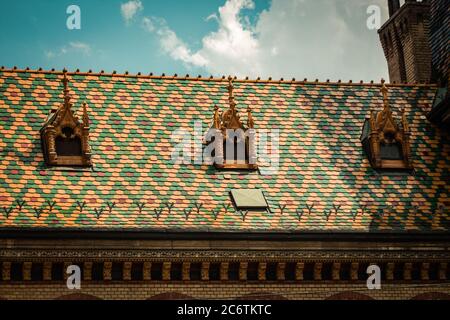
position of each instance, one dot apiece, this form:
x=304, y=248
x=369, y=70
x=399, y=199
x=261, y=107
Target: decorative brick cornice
x=223, y=255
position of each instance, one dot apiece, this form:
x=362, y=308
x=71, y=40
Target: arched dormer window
x=65, y=140
x=234, y=143
x=385, y=141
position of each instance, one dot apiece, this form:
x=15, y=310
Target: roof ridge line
x=214, y=79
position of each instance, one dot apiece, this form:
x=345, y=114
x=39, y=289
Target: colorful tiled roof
x=324, y=182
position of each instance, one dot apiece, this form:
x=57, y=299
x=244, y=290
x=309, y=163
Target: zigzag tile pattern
x=324, y=181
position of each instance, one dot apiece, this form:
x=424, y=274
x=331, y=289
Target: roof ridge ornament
x=217, y=118
x=230, y=117
x=65, y=82
x=250, y=121
x=385, y=141
x=65, y=139
x=384, y=120
x=85, y=116
x=230, y=120
x=231, y=101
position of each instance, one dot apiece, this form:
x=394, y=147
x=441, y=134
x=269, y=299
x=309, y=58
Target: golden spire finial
x=384, y=92
x=404, y=120
x=65, y=82
x=250, y=121
x=85, y=115
x=216, y=120
x=231, y=101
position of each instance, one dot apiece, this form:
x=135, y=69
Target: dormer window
x=65, y=139
x=234, y=143
x=385, y=141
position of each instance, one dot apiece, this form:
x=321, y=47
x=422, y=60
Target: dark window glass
x=233, y=271
x=308, y=271
x=137, y=271
x=392, y=151
x=415, y=271
x=68, y=146
x=97, y=271
x=196, y=271
x=252, y=271
x=344, y=273
x=433, y=272
x=214, y=271
x=156, y=271
x=398, y=271
x=271, y=271
x=176, y=271
x=81, y=265
x=289, y=271
x=16, y=271
x=383, y=269
x=58, y=271
x=327, y=271
x=362, y=271
x=117, y=271
x=37, y=272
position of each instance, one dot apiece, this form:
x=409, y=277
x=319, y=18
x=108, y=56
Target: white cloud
x=170, y=43
x=72, y=47
x=129, y=9
x=293, y=38
x=81, y=47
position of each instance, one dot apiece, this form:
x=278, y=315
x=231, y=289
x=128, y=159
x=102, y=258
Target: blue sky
x=279, y=38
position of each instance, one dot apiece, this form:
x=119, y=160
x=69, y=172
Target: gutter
x=208, y=234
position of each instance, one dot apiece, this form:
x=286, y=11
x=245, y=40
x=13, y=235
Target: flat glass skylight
x=248, y=199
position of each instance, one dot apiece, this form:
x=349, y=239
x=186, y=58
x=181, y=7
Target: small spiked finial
x=230, y=93
x=404, y=121
x=384, y=92
x=85, y=115
x=216, y=121
x=65, y=82
x=250, y=121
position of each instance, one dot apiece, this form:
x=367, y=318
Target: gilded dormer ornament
x=65, y=139
x=385, y=140
x=231, y=118
x=234, y=136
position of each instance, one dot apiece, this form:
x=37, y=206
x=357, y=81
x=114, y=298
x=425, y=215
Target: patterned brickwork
x=324, y=181
x=226, y=291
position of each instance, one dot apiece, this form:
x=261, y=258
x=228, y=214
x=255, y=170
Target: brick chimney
x=405, y=41
x=439, y=41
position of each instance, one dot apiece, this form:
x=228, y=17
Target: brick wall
x=405, y=41
x=217, y=290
